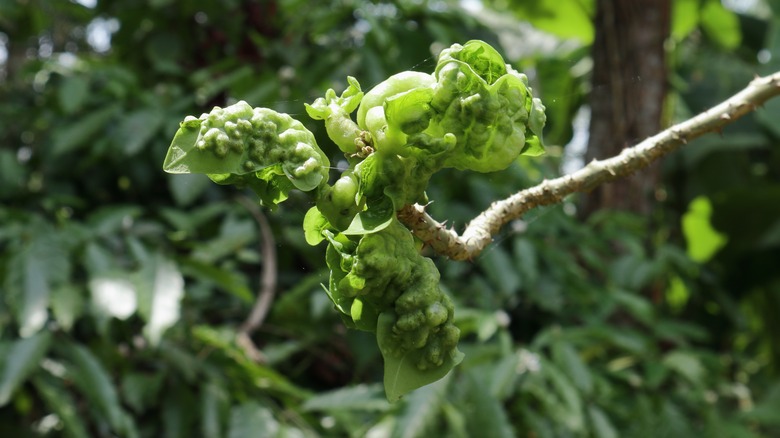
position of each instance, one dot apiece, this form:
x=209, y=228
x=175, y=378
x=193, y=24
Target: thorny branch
x=478, y=234
x=267, y=284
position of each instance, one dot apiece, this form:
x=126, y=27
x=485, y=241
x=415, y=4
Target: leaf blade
x=22, y=359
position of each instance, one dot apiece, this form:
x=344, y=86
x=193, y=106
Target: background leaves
x=599, y=327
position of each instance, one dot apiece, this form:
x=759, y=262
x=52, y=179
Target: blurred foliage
x=123, y=288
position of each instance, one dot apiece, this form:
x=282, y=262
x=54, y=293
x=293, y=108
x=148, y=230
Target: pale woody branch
x=479, y=232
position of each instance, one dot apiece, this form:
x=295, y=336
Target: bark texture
x=629, y=87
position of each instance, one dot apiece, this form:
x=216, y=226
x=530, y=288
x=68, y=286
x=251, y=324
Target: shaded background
x=644, y=309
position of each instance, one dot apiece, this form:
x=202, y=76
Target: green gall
x=475, y=112
x=335, y=111
x=344, y=191
x=436, y=314
x=259, y=148
x=391, y=86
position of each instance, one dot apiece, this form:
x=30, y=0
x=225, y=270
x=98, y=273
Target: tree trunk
x=629, y=86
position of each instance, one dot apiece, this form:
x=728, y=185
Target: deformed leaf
x=259, y=148
x=401, y=373
x=376, y=217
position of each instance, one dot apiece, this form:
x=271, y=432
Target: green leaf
x=685, y=17
x=401, y=374
x=569, y=409
x=92, y=379
x=228, y=279
x=485, y=412
x=187, y=188
x=313, y=224
x=161, y=288
x=33, y=313
x=141, y=391
x=456, y=421
x=353, y=398
x=13, y=174
x=687, y=365
x=67, y=305
x=60, y=401
x=421, y=411
x=76, y=135
x=702, y=239
x=178, y=412
x=72, y=93
x=721, y=25
x=569, y=360
x=526, y=260
x=224, y=340
x=112, y=219
x=638, y=306
x=22, y=358
x=503, y=376
x=252, y=419
x=600, y=424
x=572, y=21
x=378, y=216
x=214, y=404
x=137, y=128
x=500, y=271
x=32, y=269
x=234, y=234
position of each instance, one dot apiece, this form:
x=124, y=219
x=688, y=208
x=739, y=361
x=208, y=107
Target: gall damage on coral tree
x=474, y=112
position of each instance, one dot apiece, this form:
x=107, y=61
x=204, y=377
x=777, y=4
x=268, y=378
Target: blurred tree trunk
x=629, y=86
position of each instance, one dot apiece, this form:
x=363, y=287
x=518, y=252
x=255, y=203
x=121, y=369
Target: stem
x=267, y=284
x=478, y=234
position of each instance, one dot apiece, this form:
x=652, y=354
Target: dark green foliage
x=570, y=328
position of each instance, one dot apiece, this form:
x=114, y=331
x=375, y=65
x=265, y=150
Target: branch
x=267, y=284
x=479, y=232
